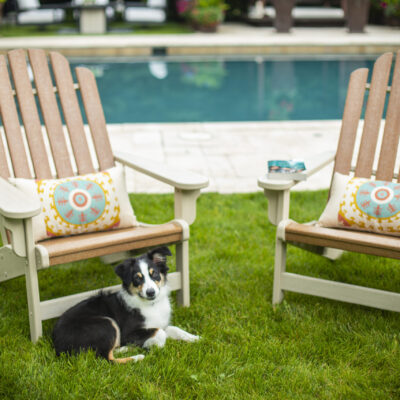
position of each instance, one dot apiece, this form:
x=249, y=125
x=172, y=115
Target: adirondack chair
x=330, y=241
x=20, y=255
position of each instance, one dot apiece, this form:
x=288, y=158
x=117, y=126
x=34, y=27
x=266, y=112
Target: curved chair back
x=55, y=103
x=367, y=155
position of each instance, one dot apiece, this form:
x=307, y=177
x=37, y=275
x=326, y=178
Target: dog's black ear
x=159, y=255
x=123, y=270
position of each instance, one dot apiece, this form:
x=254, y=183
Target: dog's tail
x=111, y=358
x=138, y=357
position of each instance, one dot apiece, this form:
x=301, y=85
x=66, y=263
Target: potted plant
x=205, y=15
x=390, y=10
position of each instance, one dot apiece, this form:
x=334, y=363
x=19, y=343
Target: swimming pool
x=199, y=90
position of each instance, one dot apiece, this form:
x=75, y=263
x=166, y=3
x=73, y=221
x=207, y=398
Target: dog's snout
x=150, y=292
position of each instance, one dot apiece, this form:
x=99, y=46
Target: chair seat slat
x=29, y=113
x=95, y=117
x=78, y=247
x=351, y=118
x=363, y=242
x=50, y=111
x=373, y=115
x=72, y=112
x=11, y=125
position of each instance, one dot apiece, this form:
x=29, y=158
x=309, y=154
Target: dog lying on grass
x=138, y=314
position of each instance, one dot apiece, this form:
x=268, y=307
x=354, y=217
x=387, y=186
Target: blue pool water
x=254, y=89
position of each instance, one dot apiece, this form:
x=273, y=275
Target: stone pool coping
x=232, y=39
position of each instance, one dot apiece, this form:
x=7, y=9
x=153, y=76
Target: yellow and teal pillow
x=363, y=204
x=80, y=204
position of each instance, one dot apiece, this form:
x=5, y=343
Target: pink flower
x=182, y=6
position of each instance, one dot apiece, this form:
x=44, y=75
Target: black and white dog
x=137, y=314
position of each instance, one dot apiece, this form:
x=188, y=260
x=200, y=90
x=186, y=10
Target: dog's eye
x=154, y=274
x=137, y=278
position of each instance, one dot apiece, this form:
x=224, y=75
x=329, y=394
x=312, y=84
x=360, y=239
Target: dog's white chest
x=157, y=315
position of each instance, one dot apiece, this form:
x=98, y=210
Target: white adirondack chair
x=20, y=255
x=329, y=241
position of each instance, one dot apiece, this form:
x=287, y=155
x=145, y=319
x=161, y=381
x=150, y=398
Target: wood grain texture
x=72, y=112
x=373, y=115
x=50, y=112
x=95, y=116
x=391, y=134
x=73, y=248
x=4, y=170
x=350, y=121
x=12, y=127
x=361, y=242
x=29, y=113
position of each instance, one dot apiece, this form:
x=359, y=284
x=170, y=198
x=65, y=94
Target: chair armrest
x=15, y=204
x=278, y=191
x=183, y=180
x=313, y=165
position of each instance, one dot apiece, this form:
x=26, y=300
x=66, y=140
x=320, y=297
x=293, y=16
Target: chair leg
x=279, y=268
x=32, y=286
x=182, y=266
x=32, y=291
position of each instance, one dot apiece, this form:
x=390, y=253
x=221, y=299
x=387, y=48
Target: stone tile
x=232, y=156
x=151, y=138
x=219, y=166
x=236, y=185
x=248, y=165
x=191, y=151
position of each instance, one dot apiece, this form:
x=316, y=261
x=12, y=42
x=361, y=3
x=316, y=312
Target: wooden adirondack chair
x=20, y=255
x=328, y=241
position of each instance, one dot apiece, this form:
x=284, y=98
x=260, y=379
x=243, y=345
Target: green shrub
x=389, y=7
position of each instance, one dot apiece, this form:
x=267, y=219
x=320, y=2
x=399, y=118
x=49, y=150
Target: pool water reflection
x=255, y=89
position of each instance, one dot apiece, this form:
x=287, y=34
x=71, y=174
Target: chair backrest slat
x=351, y=117
x=95, y=117
x=391, y=134
x=50, y=112
x=29, y=113
x=373, y=115
x=11, y=125
x=72, y=112
x=4, y=171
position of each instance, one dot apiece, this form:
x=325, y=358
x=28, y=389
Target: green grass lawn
x=306, y=348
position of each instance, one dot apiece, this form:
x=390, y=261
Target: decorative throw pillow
x=363, y=204
x=80, y=204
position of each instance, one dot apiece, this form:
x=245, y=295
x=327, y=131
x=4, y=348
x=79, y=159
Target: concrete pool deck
x=232, y=155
